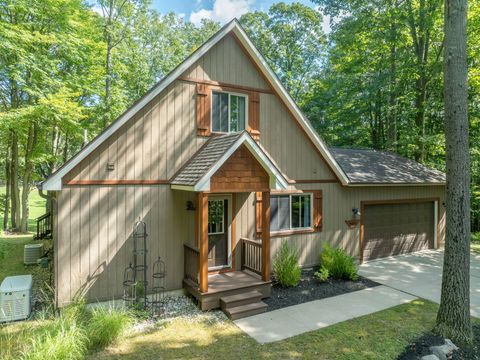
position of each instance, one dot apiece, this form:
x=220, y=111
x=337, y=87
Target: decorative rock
x=443, y=351
x=429, y=357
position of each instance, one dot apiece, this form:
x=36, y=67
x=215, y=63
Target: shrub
x=106, y=326
x=285, y=266
x=338, y=264
x=323, y=274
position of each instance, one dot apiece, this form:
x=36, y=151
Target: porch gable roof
x=196, y=174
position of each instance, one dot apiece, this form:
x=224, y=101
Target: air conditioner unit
x=31, y=253
x=15, y=298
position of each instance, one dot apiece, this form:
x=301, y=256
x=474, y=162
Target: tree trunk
x=6, y=208
x=27, y=175
x=14, y=192
x=453, y=318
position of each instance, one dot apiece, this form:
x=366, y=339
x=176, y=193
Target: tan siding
x=338, y=202
x=287, y=144
x=153, y=145
x=227, y=63
x=97, y=268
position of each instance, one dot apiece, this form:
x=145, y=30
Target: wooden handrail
x=191, y=258
x=251, y=255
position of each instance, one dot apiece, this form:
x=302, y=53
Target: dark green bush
x=285, y=266
x=338, y=264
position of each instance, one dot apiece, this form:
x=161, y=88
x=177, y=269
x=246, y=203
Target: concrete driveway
x=420, y=274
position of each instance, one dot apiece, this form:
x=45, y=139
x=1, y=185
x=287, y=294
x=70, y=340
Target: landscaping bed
x=310, y=288
x=421, y=347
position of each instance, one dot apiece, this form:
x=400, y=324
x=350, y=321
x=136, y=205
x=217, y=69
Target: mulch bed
x=421, y=347
x=310, y=289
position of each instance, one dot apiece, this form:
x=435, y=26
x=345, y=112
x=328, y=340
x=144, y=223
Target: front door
x=219, y=219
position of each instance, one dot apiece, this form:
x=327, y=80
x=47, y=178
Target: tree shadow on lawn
x=383, y=335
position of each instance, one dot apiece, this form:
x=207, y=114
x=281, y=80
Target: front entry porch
x=228, y=165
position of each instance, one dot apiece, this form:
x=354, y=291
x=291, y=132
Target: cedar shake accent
x=240, y=173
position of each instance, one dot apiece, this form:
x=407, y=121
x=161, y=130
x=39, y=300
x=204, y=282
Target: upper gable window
x=228, y=112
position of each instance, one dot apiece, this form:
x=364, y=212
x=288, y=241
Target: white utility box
x=15, y=298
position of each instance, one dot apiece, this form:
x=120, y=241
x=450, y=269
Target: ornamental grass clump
x=285, y=266
x=337, y=264
x=106, y=326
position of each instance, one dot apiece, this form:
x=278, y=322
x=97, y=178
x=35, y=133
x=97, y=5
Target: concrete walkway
x=293, y=320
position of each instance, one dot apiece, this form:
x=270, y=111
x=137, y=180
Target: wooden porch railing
x=191, y=258
x=251, y=255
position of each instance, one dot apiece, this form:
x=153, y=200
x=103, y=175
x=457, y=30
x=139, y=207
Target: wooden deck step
x=242, y=311
x=248, y=297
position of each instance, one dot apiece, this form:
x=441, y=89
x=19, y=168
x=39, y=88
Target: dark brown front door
x=393, y=229
x=218, y=239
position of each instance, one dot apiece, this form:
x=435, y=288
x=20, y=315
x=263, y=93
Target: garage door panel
x=393, y=229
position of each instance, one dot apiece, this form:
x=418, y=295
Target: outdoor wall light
x=355, y=211
x=190, y=205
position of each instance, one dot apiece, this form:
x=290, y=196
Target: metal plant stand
x=140, y=260
x=129, y=286
x=135, y=284
x=158, y=287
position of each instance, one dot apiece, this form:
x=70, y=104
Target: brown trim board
x=393, y=201
x=222, y=85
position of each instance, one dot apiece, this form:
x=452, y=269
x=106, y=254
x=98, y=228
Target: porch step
x=227, y=302
x=242, y=311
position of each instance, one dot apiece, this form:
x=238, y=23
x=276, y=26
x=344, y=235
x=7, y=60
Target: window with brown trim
x=292, y=213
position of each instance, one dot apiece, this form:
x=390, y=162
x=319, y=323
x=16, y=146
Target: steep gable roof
x=54, y=181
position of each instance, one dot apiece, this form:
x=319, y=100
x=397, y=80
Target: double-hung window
x=228, y=112
x=290, y=212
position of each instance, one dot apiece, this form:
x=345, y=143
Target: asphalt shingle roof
x=378, y=167
x=205, y=158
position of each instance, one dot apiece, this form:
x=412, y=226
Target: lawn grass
x=37, y=208
x=382, y=335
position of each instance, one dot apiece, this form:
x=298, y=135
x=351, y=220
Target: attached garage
x=394, y=228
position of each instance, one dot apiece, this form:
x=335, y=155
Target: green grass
x=382, y=335
x=37, y=208
x=11, y=256
x=70, y=335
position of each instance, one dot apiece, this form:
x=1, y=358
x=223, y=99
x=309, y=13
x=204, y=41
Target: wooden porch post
x=203, y=241
x=266, y=236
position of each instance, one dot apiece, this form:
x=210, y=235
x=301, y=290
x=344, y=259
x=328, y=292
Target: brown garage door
x=393, y=229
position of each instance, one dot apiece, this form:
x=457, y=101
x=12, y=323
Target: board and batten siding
x=153, y=145
x=94, y=242
x=338, y=202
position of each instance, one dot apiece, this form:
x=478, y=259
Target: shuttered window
x=228, y=112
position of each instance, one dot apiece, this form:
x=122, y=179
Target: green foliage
x=63, y=340
x=291, y=38
x=285, y=266
x=106, y=325
x=338, y=264
x=323, y=274
x=73, y=333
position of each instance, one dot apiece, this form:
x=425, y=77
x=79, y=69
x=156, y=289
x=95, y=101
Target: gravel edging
x=310, y=289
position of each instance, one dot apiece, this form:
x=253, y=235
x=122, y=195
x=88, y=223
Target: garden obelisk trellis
x=135, y=283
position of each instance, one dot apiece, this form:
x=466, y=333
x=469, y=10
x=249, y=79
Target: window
x=290, y=212
x=228, y=112
x=215, y=217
